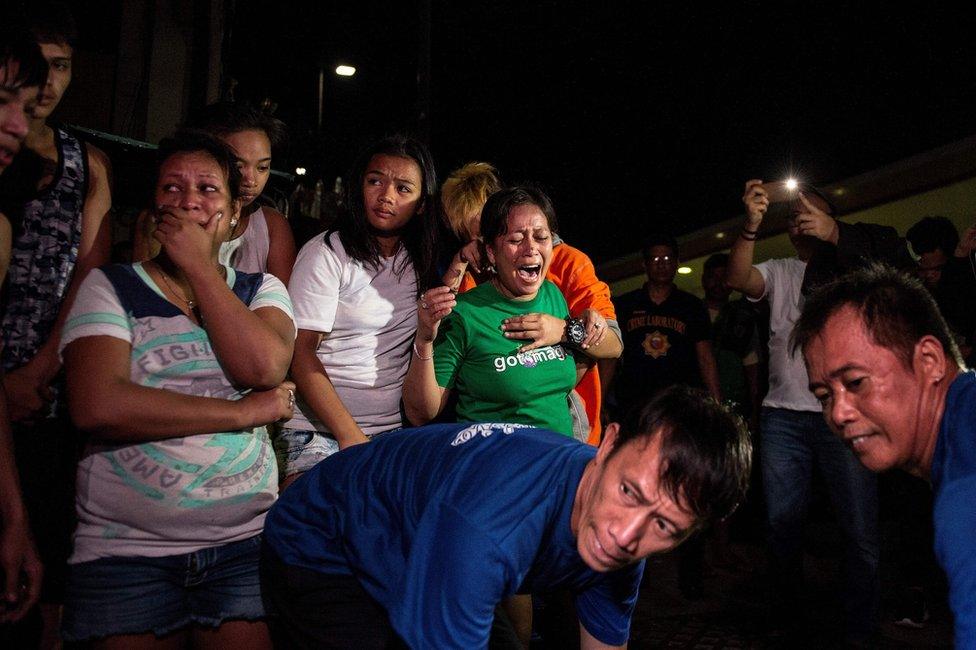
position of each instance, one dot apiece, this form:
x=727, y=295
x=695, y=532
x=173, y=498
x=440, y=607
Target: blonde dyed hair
x=464, y=191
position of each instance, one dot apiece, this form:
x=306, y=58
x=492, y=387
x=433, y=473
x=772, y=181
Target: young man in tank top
x=65, y=232
x=22, y=73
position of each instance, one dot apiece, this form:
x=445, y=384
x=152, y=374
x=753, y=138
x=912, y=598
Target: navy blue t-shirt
x=954, y=512
x=660, y=343
x=440, y=523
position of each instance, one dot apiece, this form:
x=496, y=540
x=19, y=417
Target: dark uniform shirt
x=659, y=343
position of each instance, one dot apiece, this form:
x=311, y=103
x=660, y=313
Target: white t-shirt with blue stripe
x=181, y=494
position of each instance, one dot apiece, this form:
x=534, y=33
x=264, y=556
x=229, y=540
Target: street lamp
x=343, y=70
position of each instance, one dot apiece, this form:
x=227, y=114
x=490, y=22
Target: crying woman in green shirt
x=507, y=348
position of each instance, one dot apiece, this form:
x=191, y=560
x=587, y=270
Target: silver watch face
x=575, y=331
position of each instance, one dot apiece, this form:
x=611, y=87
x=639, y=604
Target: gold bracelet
x=420, y=356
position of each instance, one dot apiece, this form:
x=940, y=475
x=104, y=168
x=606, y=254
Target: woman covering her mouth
x=175, y=368
x=262, y=241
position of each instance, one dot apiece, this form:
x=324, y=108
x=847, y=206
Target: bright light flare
x=684, y=270
x=791, y=184
x=345, y=70
x=300, y=171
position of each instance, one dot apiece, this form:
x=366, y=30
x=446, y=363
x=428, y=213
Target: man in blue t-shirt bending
x=416, y=536
x=882, y=362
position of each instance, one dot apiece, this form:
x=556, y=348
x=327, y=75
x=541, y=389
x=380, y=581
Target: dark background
x=635, y=115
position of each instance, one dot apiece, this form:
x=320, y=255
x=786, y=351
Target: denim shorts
x=136, y=595
x=299, y=450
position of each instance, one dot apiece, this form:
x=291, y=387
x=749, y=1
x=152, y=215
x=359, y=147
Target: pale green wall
x=956, y=201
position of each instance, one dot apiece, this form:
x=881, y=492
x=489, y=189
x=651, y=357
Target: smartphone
x=781, y=191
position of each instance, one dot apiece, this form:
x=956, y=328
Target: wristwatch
x=575, y=331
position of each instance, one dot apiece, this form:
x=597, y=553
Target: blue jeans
x=135, y=595
x=793, y=444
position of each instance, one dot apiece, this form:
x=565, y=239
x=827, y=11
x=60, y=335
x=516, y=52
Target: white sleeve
x=96, y=311
x=272, y=293
x=768, y=270
x=314, y=285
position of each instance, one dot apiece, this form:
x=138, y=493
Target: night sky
x=635, y=116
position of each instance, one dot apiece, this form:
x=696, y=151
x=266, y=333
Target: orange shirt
x=467, y=282
x=572, y=271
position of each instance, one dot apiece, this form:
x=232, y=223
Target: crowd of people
x=433, y=418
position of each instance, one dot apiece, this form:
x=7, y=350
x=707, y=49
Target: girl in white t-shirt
x=354, y=291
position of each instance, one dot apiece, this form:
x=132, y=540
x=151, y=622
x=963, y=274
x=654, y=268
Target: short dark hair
x=51, y=21
x=718, y=260
x=706, y=453
x=895, y=308
x=226, y=118
x=494, y=216
x=194, y=141
x=17, y=46
x=420, y=235
x=811, y=189
x=930, y=233
x=659, y=239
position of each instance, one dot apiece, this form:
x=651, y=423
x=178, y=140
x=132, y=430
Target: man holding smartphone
x=795, y=439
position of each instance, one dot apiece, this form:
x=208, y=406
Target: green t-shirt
x=493, y=381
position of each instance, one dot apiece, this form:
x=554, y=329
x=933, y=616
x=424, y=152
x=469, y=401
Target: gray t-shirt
x=181, y=494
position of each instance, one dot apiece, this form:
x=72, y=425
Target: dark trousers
x=308, y=609
x=794, y=444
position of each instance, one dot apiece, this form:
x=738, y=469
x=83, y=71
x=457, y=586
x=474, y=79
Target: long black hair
x=419, y=237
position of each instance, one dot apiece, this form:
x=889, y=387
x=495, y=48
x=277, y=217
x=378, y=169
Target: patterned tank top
x=44, y=254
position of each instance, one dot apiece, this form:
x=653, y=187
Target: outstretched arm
x=742, y=275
